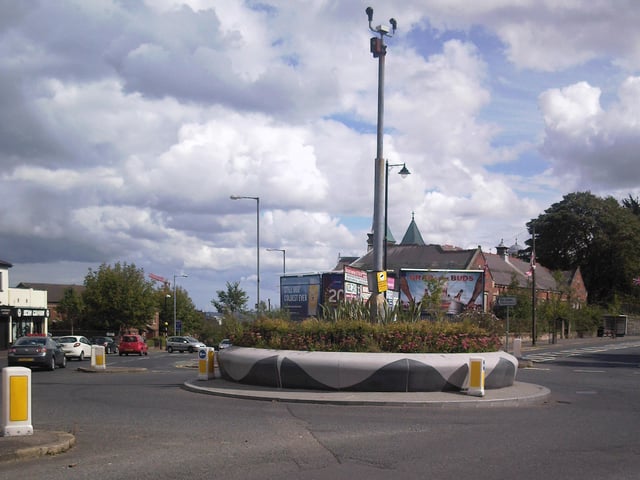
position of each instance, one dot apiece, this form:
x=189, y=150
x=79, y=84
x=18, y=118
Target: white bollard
x=16, y=401
x=98, y=357
x=517, y=348
x=206, y=363
x=476, y=376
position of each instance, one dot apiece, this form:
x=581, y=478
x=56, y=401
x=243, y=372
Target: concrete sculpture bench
x=363, y=372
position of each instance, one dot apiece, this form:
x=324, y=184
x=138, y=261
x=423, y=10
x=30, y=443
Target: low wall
x=364, y=372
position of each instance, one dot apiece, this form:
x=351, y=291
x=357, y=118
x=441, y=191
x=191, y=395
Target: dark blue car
x=36, y=351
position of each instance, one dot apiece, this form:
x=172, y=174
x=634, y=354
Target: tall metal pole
x=379, y=51
x=284, y=258
x=403, y=173
x=534, y=297
x=378, y=193
x=386, y=212
x=257, y=199
x=258, y=255
x=175, y=332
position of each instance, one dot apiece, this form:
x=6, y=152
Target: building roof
x=4, y=264
x=420, y=257
x=506, y=269
x=55, y=291
x=342, y=261
x=412, y=236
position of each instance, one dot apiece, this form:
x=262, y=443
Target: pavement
x=43, y=443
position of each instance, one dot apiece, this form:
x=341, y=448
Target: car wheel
x=146, y=353
x=170, y=349
x=120, y=353
x=81, y=357
x=52, y=364
x=63, y=364
x=191, y=350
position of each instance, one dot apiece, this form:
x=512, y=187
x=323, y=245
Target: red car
x=132, y=344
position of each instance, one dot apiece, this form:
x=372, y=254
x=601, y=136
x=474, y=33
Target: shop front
x=16, y=322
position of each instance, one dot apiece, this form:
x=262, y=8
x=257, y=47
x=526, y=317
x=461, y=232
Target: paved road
x=146, y=426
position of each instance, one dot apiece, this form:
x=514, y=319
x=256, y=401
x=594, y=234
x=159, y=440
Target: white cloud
x=588, y=144
x=125, y=128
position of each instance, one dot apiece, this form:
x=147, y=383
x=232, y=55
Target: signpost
x=505, y=301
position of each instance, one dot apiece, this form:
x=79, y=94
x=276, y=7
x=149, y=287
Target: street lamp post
x=284, y=268
x=174, y=300
x=379, y=51
x=164, y=317
x=257, y=199
x=404, y=171
x=284, y=258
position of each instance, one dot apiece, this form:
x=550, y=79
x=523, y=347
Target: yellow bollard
x=476, y=376
x=16, y=401
x=206, y=363
x=98, y=357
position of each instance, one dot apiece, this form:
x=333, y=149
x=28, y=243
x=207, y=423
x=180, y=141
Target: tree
x=632, y=204
x=596, y=234
x=71, y=309
x=233, y=300
x=118, y=297
x=187, y=313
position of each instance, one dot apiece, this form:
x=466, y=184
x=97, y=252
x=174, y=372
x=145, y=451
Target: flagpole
x=533, y=289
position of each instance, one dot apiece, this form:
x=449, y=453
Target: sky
x=126, y=126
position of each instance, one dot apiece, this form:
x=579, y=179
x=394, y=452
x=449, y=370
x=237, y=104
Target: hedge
x=345, y=336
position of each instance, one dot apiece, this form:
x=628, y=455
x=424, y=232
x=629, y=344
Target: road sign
x=507, y=301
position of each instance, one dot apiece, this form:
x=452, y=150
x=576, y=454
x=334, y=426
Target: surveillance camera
x=382, y=29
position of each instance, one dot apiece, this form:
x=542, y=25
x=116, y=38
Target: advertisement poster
x=332, y=289
x=300, y=295
x=460, y=289
x=355, y=284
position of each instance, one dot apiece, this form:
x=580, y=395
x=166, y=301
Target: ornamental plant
x=361, y=336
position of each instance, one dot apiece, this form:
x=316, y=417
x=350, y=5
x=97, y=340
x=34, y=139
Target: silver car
x=184, y=344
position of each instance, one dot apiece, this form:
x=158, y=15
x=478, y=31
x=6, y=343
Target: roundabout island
x=362, y=372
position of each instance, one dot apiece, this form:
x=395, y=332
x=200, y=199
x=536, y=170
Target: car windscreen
x=30, y=341
x=129, y=339
x=67, y=340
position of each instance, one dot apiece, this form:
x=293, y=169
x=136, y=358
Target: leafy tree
x=186, y=312
x=233, y=300
x=118, y=297
x=71, y=309
x=596, y=234
x=632, y=204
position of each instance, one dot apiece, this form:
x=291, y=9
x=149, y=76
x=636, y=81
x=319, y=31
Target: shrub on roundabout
x=360, y=336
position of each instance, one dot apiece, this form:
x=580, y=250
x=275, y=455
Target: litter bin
x=600, y=331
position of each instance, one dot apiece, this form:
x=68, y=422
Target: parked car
x=109, y=344
x=224, y=343
x=76, y=346
x=132, y=344
x=184, y=344
x=36, y=351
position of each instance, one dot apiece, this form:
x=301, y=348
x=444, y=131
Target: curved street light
x=284, y=257
x=174, y=300
x=257, y=199
x=404, y=171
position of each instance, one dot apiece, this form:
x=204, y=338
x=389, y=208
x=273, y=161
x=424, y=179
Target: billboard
x=300, y=295
x=355, y=284
x=332, y=289
x=459, y=289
